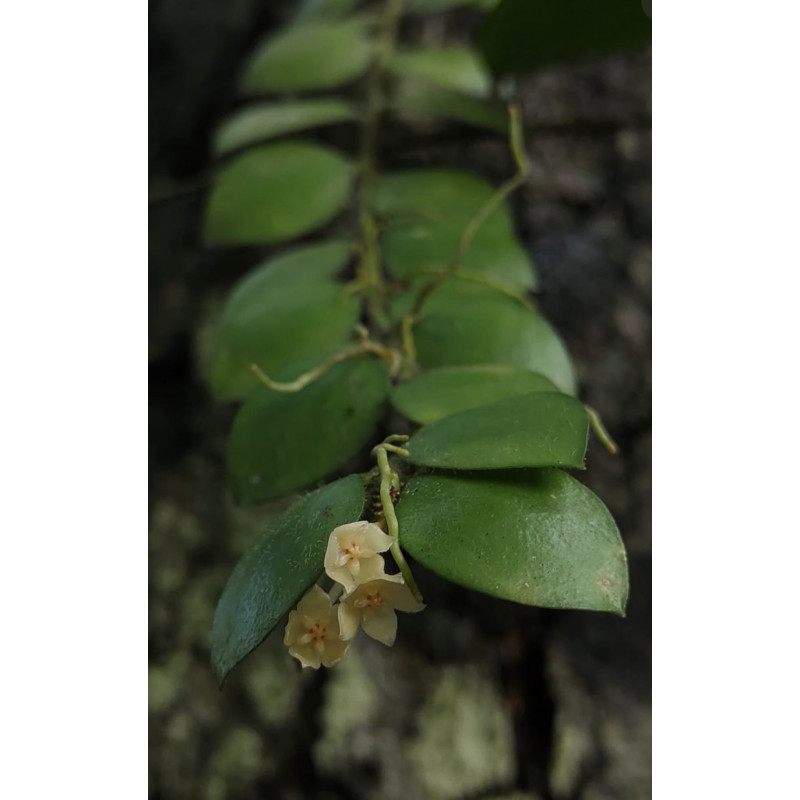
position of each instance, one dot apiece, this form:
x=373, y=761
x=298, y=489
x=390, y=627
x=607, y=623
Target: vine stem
x=392, y=357
x=517, y=142
x=370, y=275
x=483, y=280
x=390, y=479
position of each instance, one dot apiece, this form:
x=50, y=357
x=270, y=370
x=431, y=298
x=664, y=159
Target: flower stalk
x=391, y=480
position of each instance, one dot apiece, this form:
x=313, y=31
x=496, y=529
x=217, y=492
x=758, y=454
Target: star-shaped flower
x=372, y=604
x=352, y=554
x=312, y=633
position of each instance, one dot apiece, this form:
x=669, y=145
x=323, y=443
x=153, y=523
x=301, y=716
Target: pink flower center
x=317, y=632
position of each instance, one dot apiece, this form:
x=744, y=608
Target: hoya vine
x=402, y=327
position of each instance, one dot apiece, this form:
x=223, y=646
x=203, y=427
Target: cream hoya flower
x=352, y=554
x=312, y=633
x=372, y=604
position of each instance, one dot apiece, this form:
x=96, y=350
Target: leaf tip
x=619, y=604
x=220, y=673
x=219, y=668
x=615, y=589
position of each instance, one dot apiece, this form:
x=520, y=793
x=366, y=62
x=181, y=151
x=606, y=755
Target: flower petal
x=375, y=540
x=332, y=552
x=306, y=655
x=315, y=603
x=342, y=575
x=381, y=624
x=371, y=569
x=349, y=620
x=334, y=652
x=294, y=628
x=352, y=533
x=401, y=598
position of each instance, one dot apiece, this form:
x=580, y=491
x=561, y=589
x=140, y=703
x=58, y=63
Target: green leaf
x=311, y=55
x=286, y=316
x=433, y=193
x=428, y=211
x=270, y=120
x=462, y=325
x=543, y=429
x=520, y=36
x=420, y=103
x=300, y=265
x=448, y=390
x=277, y=569
x=455, y=68
x=535, y=537
x=276, y=192
x=282, y=442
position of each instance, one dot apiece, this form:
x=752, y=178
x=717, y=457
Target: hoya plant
x=394, y=374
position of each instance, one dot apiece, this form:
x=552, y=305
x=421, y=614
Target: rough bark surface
x=479, y=698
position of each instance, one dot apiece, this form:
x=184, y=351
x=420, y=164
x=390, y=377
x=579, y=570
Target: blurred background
x=479, y=698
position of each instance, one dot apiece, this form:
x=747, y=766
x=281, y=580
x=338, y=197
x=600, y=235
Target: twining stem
x=517, y=143
x=483, y=280
x=392, y=357
x=396, y=437
x=600, y=430
x=370, y=277
x=409, y=348
x=389, y=480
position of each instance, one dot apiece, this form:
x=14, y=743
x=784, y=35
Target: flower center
x=315, y=633
x=374, y=600
x=350, y=557
x=354, y=551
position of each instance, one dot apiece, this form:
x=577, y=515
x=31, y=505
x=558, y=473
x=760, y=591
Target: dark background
x=479, y=698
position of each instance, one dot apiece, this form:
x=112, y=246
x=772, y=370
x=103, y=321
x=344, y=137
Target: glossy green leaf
x=543, y=429
x=305, y=264
x=270, y=120
x=448, y=390
x=277, y=569
x=419, y=103
x=428, y=211
x=455, y=68
x=283, y=442
x=536, y=537
x=463, y=324
x=276, y=192
x=311, y=55
x=520, y=36
x=432, y=193
x=286, y=316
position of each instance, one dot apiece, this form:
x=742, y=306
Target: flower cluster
x=319, y=631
